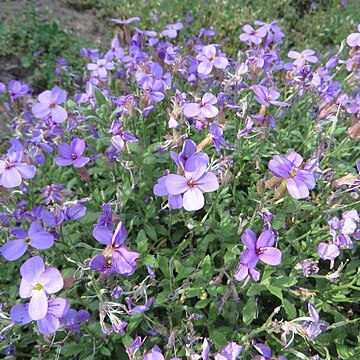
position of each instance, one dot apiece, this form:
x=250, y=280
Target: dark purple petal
x=102, y=234
x=19, y=313
x=119, y=235
x=249, y=258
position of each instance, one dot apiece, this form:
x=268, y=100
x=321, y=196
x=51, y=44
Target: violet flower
x=205, y=108
x=171, y=30
x=252, y=36
x=17, y=90
x=48, y=105
x=314, y=327
x=72, y=154
x=264, y=350
x=265, y=96
x=231, y=351
x=72, y=320
x=36, y=237
x=13, y=170
x=259, y=249
x=298, y=182
x=208, y=60
x=37, y=283
x=101, y=67
x=48, y=324
x=121, y=137
x=154, y=354
x=303, y=57
x=244, y=272
x=192, y=185
x=353, y=39
x=216, y=133
x=116, y=257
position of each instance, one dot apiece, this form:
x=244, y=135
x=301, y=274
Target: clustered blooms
x=141, y=72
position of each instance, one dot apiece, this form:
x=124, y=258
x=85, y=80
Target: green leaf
x=275, y=291
x=289, y=309
x=218, y=337
x=249, y=311
x=99, y=97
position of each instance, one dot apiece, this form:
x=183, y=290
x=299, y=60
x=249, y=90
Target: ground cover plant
x=183, y=198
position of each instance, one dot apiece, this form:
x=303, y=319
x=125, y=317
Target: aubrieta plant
x=181, y=202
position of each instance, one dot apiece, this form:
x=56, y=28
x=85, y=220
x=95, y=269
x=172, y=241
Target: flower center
x=8, y=164
x=52, y=105
x=259, y=251
x=268, y=98
x=27, y=240
x=292, y=173
x=191, y=183
x=73, y=156
x=38, y=287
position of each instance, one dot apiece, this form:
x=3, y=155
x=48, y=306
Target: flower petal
x=38, y=305
x=51, y=280
x=248, y=238
x=176, y=184
x=296, y=188
x=265, y=239
x=193, y=199
x=208, y=182
x=14, y=249
x=32, y=269
x=271, y=256
x=11, y=178
x=102, y=234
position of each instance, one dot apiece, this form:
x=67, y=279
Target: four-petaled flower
x=354, y=38
x=48, y=105
x=253, y=36
x=265, y=96
x=303, y=57
x=36, y=237
x=172, y=29
x=204, y=109
x=101, y=67
x=37, y=283
x=259, y=249
x=72, y=154
x=208, y=60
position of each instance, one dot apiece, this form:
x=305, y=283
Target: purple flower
x=303, y=57
x=314, y=327
x=208, y=60
x=328, y=251
x=36, y=237
x=53, y=193
x=120, y=137
x=259, y=249
x=354, y=38
x=17, y=90
x=192, y=185
x=172, y=29
x=48, y=105
x=231, y=351
x=243, y=272
x=37, y=283
x=298, y=182
x=48, y=324
x=204, y=109
x=264, y=350
x=2, y=88
x=154, y=354
x=252, y=36
x=72, y=319
x=115, y=51
x=116, y=257
x=265, y=96
x=72, y=154
x=12, y=170
x=100, y=68
x=217, y=138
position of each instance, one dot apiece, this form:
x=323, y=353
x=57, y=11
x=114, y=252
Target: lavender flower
x=72, y=154
x=17, y=90
x=171, y=30
x=48, y=105
x=36, y=237
x=208, y=60
x=49, y=324
x=13, y=170
x=37, y=283
x=154, y=354
x=353, y=39
x=252, y=36
x=116, y=257
x=314, y=327
x=205, y=108
x=120, y=137
x=231, y=351
x=216, y=133
x=303, y=57
x=100, y=68
x=298, y=182
x=72, y=319
x=259, y=249
x=266, y=96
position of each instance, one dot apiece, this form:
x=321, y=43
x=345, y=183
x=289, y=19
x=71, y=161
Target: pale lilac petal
x=249, y=258
x=48, y=325
x=118, y=142
x=65, y=150
x=313, y=313
x=353, y=39
x=25, y=170
x=271, y=256
x=348, y=226
x=32, y=269
x=58, y=114
x=81, y=161
x=307, y=178
x=26, y=288
x=176, y=184
x=193, y=199
x=248, y=238
x=61, y=161
x=265, y=239
x=209, y=111
x=40, y=110
x=45, y=97
x=192, y=109
x=221, y=62
x=58, y=307
x=41, y=240
x=205, y=68
x=209, y=51
x=209, y=98
x=102, y=234
x=14, y=249
x=160, y=188
x=328, y=251
x=295, y=158
x=11, y=178
x=294, y=54
x=241, y=273
x=38, y=305
x=19, y=313
x=119, y=235
x=175, y=201
x=78, y=146
x=199, y=166
x=208, y=182
x=296, y=188
x=280, y=166
x=58, y=95
x=51, y=280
